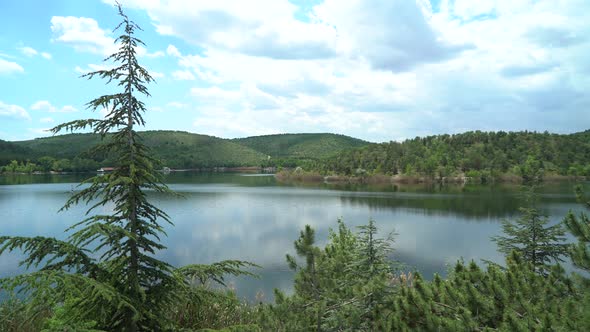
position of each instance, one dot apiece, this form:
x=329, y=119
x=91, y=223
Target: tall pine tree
x=125, y=274
x=105, y=275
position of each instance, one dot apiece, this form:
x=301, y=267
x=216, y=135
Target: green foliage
x=176, y=149
x=235, y=328
x=343, y=286
x=484, y=156
x=295, y=149
x=16, y=167
x=579, y=226
x=351, y=285
x=481, y=156
x=532, y=170
x=11, y=151
x=532, y=238
x=15, y=317
x=202, y=305
x=472, y=299
x=186, y=150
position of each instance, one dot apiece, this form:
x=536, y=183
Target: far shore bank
x=244, y=169
x=295, y=176
x=313, y=177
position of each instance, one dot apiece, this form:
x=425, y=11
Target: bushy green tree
x=307, y=280
x=46, y=163
x=579, y=226
x=372, y=269
x=532, y=238
x=342, y=287
x=471, y=299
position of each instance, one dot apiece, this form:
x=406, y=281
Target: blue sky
x=379, y=70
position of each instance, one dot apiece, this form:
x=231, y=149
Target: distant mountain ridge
x=178, y=149
x=476, y=152
x=304, y=146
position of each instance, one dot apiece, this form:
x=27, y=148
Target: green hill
x=63, y=146
x=185, y=150
x=473, y=153
x=301, y=146
x=175, y=149
x=178, y=149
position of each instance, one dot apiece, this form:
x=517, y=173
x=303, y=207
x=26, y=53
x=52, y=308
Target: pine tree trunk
x=133, y=280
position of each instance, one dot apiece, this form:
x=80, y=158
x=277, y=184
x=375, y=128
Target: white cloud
x=468, y=9
x=83, y=34
x=183, y=75
x=44, y=105
x=46, y=120
x=31, y=52
x=385, y=70
x=9, y=67
x=157, y=54
x=394, y=35
x=28, y=51
x=13, y=111
x=68, y=109
x=258, y=27
x=173, y=51
x=156, y=74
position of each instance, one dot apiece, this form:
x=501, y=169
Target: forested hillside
x=477, y=154
x=296, y=147
x=11, y=151
x=176, y=149
x=483, y=155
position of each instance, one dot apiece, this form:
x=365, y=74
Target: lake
x=253, y=217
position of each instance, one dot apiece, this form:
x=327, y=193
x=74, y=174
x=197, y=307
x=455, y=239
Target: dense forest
x=174, y=149
x=104, y=276
x=10, y=151
x=480, y=155
x=484, y=156
x=292, y=150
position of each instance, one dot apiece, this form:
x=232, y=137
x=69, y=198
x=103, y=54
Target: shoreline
x=244, y=169
x=312, y=177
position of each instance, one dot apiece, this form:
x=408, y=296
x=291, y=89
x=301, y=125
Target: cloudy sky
x=376, y=69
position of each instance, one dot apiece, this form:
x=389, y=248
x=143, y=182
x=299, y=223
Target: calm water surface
x=252, y=217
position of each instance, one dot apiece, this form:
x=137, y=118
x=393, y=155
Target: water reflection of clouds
x=216, y=221
x=262, y=228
